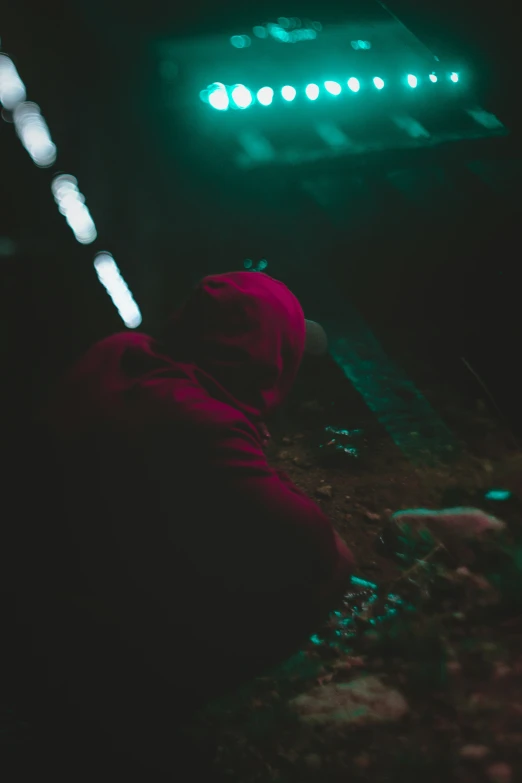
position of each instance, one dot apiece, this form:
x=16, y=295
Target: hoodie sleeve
x=287, y=549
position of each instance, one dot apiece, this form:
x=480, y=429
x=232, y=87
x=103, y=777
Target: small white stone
x=500, y=772
x=474, y=752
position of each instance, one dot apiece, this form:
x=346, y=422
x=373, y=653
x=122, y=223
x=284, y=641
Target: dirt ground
x=447, y=653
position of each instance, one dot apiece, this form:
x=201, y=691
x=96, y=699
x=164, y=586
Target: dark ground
x=455, y=656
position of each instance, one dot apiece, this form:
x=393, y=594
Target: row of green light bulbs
x=217, y=94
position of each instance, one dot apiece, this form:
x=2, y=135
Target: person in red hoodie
x=176, y=534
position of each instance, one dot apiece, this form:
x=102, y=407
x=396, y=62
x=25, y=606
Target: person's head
x=248, y=331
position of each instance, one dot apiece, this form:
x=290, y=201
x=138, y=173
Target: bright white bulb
x=217, y=97
x=334, y=88
x=34, y=134
x=12, y=88
x=265, y=96
x=110, y=277
x=288, y=93
x=241, y=96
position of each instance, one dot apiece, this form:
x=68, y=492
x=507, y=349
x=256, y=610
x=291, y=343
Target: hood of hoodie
x=244, y=330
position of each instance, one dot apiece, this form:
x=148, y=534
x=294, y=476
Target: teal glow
x=241, y=96
x=355, y=580
x=454, y=77
x=354, y=84
x=334, y=88
x=433, y=78
x=218, y=98
x=364, y=45
x=312, y=92
x=412, y=80
x=379, y=83
x=265, y=96
x=498, y=494
x=288, y=92
x=315, y=639
x=240, y=41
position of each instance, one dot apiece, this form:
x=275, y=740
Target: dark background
x=435, y=283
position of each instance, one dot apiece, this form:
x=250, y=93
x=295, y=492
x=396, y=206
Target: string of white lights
x=34, y=134
x=71, y=204
x=110, y=277
x=221, y=97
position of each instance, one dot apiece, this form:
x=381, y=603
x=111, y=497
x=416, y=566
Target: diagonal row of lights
x=221, y=97
x=34, y=134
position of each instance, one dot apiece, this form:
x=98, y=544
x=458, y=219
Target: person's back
x=179, y=554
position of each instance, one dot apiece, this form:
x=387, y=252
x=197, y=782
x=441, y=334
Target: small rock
x=372, y=516
x=501, y=670
x=362, y=761
x=512, y=740
x=313, y=760
x=287, y=441
x=474, y=752
x=302, y=462
x=347, y=497
x=324, y=492
x=347, y=517
x=453, y=667
x=500, y=772
x=460, y=523
x=284, y=455
x=366, y=701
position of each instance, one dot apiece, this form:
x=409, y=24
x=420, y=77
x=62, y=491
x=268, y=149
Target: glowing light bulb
x=241, y=96
x=288, y=93
x=110, y=277
x=312, y=92
x=354, y=84
x=217, y=97
x=433, y=78
x=379, y=83
x=498, y=494
x=454, y=77
x=265, y=96
x=334, y=88
x=412, y=80
x=12, y=88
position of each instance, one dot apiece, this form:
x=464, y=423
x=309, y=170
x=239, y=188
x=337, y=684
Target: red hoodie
x=176, y=527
